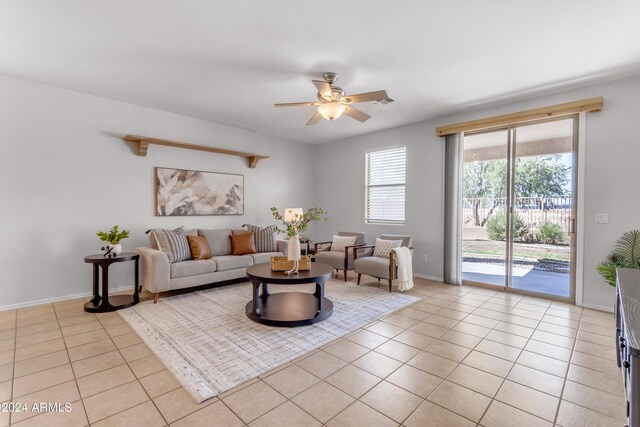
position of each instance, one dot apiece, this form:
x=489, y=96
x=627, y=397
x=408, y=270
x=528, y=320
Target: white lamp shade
x=332, y=110
x=293, y=214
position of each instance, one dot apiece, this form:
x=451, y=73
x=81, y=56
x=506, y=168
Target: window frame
x=367, y=186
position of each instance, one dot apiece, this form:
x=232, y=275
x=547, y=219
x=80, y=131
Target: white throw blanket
x=405, y=268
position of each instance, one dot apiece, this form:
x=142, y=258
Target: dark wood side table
x=104, y=303
x=288, y=308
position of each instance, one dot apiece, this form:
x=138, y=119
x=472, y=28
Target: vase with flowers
x=297, y=221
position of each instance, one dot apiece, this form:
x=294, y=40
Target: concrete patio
x=529, y=279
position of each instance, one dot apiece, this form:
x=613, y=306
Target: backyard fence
x=534, y=211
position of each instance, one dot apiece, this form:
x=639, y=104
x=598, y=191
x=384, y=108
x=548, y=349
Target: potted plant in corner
x=626, y=254
x=113, y=238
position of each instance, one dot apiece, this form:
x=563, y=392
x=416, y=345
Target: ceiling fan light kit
x=333, y=102
x=332, y=110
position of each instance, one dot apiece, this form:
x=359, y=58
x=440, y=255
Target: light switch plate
x=602, y=218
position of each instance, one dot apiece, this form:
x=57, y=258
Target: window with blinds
x=385, y=178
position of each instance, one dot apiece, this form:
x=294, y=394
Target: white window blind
x=385, y=196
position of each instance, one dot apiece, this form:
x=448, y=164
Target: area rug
x=205, y=339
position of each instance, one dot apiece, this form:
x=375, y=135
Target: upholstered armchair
x=340, y=260
x=364, y=261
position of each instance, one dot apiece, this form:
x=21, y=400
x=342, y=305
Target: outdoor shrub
x=497, y=227
x=551, y=233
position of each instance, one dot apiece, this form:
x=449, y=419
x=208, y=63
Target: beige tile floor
x=462, y=357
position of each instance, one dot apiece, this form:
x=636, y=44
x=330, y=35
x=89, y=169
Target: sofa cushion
x=263, y=257
x=218, y=240
x=199, y=247
x=230, y=262
x=192, y=268
x=242, y=244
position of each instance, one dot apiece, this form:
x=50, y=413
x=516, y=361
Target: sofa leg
x=390, y=284
x=359, y=278
x=155, y=298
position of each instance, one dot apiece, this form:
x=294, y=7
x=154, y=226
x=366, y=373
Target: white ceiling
x=230, y=61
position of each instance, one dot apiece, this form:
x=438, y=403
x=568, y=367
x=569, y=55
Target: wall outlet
x=602, y=218
x=424, y=257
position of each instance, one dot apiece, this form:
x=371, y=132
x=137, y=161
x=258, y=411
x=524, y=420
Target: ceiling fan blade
x=315, y=119
x=354, y=113
x=379, y=95
x=324, y=88
x=296, y=104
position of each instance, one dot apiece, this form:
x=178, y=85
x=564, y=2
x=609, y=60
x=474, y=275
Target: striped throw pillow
x=174, y=243
x=263, y=238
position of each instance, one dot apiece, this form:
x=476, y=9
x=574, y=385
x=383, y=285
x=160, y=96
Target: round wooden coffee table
x=288, y=308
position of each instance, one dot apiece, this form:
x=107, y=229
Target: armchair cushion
x=384, y=247
x=335, y=259
x=340, y=242
x=372, y=266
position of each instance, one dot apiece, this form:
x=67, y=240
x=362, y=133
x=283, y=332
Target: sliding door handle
x=572, y=226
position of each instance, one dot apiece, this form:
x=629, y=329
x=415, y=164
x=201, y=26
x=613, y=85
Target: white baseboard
x=426, y=276
x=598, y=307
x=58, y=299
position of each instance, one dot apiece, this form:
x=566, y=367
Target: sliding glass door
x=519, y=192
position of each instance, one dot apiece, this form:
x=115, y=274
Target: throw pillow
x=264, y=238
x=174, y=243
x=242, y=244
x=199, y=247
x=384, y=247
x=340, y=242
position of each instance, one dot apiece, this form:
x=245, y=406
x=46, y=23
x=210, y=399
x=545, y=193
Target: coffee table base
x=289, y=309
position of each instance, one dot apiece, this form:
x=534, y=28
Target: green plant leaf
x=628, y=246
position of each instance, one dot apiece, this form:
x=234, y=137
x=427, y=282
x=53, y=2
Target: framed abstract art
x=181, y=192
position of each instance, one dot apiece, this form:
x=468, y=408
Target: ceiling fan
x=333, y=101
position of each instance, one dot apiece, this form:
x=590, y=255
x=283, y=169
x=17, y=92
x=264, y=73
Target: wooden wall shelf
x=143, y=142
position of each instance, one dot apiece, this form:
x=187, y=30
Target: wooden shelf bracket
x=143, y=142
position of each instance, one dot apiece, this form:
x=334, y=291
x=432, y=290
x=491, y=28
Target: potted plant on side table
x=113, y=238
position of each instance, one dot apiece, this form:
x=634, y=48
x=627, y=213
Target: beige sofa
x=157, y=275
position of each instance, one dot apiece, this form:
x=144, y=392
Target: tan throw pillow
x=384, y=247
x=199, y=247
x=242, y=244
